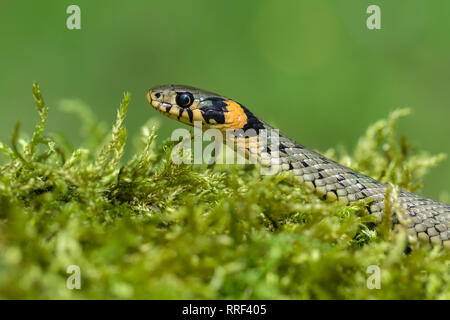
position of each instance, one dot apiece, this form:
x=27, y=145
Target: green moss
x=148, y=228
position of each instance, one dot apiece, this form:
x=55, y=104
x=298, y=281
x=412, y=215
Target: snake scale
x=424, y=219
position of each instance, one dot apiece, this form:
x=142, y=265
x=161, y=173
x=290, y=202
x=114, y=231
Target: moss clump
x=149, y=229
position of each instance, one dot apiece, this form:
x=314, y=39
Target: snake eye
x=184, y=99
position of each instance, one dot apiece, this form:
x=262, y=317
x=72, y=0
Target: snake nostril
x=157, y=95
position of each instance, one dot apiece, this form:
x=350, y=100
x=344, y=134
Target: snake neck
x=329, y=179
x=269, y=147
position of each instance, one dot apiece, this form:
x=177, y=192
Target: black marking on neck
x=218, y=104
x=252, y=121
x=216, y=111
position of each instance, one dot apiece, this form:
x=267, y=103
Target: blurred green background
x=310, y=67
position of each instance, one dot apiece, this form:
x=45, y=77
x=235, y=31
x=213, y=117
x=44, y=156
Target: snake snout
x=153, y=95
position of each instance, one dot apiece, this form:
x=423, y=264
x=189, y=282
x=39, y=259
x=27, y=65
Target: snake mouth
x=162, y=107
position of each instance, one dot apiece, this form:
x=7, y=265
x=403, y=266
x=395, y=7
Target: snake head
x=188, y=105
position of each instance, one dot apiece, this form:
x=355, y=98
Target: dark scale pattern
x=424, y=219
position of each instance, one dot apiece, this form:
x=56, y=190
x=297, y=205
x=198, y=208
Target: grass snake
x=424, y=219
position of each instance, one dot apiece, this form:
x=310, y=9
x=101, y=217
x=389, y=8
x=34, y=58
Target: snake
x=424, y=220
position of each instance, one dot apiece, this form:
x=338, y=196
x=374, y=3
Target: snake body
x=424, y=219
